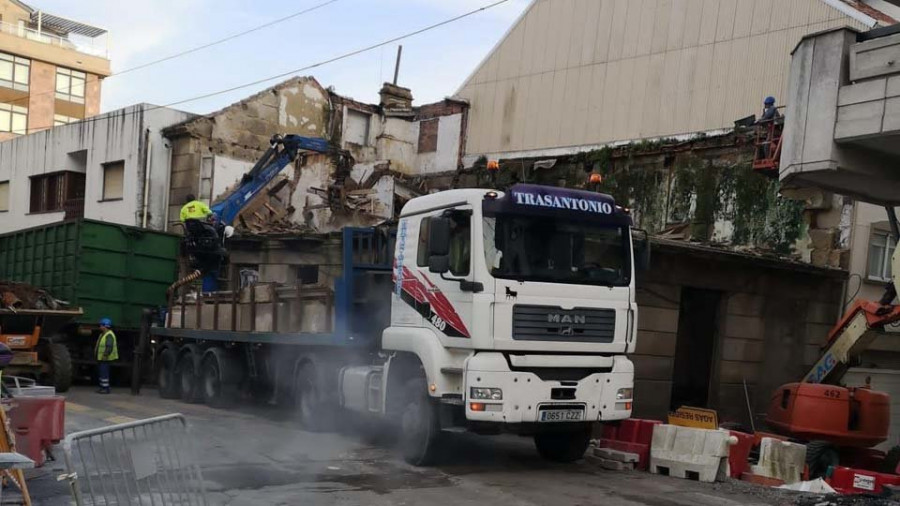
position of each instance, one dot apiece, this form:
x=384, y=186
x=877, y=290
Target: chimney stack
x=396, y=100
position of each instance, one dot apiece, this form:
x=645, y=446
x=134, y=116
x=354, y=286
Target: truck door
x=444, y=306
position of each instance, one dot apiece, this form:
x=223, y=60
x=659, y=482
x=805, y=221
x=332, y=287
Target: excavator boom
x=282, y=152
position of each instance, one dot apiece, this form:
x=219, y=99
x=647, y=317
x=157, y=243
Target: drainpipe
x=147, y=173
x=168, y=190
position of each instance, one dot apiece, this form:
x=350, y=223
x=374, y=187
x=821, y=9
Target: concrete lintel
x=859, y=120
x=893, y=87
x=891, y=122
x=862, y=92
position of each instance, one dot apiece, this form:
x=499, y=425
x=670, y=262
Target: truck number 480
x=438, y=322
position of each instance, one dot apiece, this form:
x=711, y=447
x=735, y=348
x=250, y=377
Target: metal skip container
x=144, y=462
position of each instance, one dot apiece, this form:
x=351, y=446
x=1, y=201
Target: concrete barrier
x=684, y=452
x=631, y=436
x=614, y=460
x=781, y=460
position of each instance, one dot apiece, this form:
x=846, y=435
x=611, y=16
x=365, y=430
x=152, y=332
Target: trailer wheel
x=567, y=446
x=420, y=428
x=313, y=410
x=820, y=455
x=187, y=377
x=217, y=392
x=60, y=362
x=165, y=377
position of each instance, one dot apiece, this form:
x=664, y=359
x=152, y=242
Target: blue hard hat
x=105, y=322
x=770, y=101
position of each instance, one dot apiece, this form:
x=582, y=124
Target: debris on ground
x=817, y=486
x=16, y=296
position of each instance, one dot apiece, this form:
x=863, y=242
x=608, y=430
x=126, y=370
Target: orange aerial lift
x=767, y=154
x=840, y=423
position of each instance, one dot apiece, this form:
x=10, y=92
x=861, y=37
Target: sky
x=434, y=63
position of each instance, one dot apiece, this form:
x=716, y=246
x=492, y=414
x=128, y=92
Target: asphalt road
x=255, y=456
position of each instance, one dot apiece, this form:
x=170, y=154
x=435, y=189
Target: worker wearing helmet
x=194, y=209
x=106, y=352
x=770, y=112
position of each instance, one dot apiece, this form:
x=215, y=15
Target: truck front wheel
x=419, y=425
x=567, y=446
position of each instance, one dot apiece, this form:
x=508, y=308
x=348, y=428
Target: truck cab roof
x=445, y=198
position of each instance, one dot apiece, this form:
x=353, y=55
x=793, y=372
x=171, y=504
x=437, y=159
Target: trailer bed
x=280, y=338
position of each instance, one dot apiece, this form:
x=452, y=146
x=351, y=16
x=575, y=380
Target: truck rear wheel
x=420, y=428
x=188, y=382
x=165, y=377
x=60, y=362
x=567, y=446
x=313, y=410
x=217, y=392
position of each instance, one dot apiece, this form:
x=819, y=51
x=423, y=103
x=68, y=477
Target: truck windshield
x=556, y=250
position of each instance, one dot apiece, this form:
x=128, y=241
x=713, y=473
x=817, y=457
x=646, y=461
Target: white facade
x=84, y=147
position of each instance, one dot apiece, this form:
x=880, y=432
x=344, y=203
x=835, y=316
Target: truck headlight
x=487, y=394
x=625, y=393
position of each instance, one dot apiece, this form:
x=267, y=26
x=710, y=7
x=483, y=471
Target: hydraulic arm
x=282, y=152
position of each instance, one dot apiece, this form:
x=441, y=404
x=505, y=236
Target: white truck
x=497, y=312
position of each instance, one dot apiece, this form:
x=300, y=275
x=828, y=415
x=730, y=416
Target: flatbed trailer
x=232, y=344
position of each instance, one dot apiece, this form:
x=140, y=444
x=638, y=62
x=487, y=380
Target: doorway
x=698, y=325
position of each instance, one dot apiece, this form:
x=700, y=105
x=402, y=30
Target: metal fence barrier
x=145, y=462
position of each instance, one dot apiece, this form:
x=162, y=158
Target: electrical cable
x=225, y=39
x=297, y=70
x=850, y=299
x=197, y=48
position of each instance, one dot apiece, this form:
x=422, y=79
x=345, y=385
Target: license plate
x=562, y=415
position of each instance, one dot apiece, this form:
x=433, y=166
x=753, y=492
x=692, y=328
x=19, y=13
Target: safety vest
x=108, y=339
x=194, y=210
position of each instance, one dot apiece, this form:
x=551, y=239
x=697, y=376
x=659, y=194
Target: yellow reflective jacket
x=107, y=350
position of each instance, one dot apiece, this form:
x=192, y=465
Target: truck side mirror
x=641, y=250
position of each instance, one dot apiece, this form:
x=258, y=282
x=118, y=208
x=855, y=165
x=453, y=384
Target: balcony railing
x=91, y=46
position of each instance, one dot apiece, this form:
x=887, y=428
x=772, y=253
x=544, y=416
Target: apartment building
x=50, y=69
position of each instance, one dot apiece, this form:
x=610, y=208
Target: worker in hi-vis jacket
x=106, y=352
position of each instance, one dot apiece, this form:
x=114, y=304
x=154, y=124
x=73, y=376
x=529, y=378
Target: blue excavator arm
x=282, y=152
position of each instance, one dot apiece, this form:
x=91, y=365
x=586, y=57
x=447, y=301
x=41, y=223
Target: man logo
x=566, y=331
x=566, y=318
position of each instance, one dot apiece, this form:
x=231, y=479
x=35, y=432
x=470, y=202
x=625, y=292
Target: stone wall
x=772, y=317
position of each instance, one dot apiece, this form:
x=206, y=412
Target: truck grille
x=548, y=323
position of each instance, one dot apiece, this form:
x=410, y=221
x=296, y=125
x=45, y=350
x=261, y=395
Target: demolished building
x=286, y=234
x=392, y=145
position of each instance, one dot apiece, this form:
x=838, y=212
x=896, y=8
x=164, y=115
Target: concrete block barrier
x=684, y=452
x=610, y=454
x=780, y=460
x=630, y=436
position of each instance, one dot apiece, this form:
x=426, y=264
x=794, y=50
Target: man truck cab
x=517, y=311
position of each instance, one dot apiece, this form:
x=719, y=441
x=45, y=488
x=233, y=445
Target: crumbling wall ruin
x=701, y=190
x=321, y=192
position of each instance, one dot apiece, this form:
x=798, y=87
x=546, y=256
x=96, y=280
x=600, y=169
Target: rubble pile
x=24, y=296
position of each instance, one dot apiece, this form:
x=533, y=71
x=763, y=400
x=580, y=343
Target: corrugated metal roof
x=65, y=25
